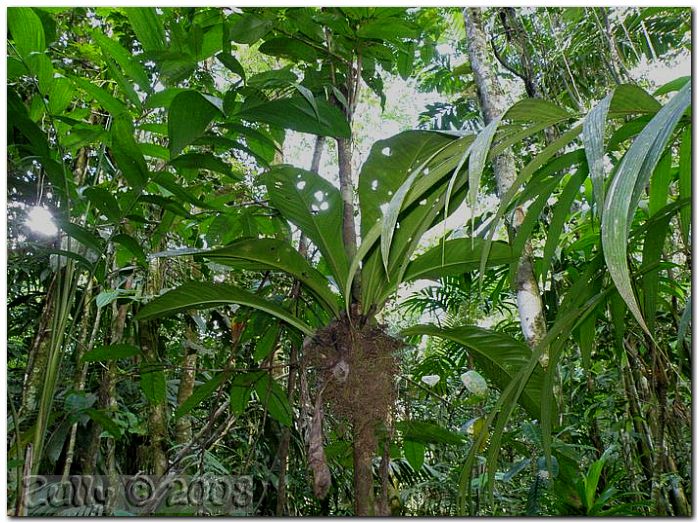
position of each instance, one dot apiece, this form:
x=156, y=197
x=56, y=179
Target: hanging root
x=322, y=479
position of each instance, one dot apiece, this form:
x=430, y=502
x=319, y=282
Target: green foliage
x=112, y=352
x=154, y=139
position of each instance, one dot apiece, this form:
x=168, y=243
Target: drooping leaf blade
x=297, y=114
x=268, y=253
x=500, y=357
x=204, y=295
x=455, y=257
x=593, y=139
x=153, y=383
x=147, y=26
x=624, y=192
x=201, y=393
x=273, y=397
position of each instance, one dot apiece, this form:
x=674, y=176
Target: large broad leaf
x=593, y=138
x=147, y=26
x=204, y=161
x=454, y=257
x=268, y=253
x=153, y=382
x=132, y=246
x=685, y=176
x=624, y=100
x=289, y=48
x=104, y=201
x=201, y=393
x=388, y=228
x=673, y=85
x=297, y=114
x=274, y=399
x=536, y=110
x=414, y=453
x=187, y=119
x=249, y=28
x=524, y=175
x=103, y=97
x=480, y=150
x=129, y=158
x=498, y=355
x=104, y=420
x=26, y=30
x=315, y=205
x=631, y=99
x=625, y=188
x=241, y=389
x=389, y=167
x=112, y=48
x=203, y=295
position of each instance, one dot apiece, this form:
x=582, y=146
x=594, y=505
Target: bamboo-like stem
x=81, y=377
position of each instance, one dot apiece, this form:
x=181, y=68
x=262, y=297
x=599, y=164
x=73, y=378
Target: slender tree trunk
x=186, y=385
x=284, y=445
x=106, y=395
x=38, y=356
x=363, y=437
x=493, y=105
x=151, y=347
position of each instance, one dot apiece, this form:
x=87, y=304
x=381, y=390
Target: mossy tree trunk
x=493, y=104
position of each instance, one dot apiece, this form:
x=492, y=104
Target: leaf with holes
x=313, y=204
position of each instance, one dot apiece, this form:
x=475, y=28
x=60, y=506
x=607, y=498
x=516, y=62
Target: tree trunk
x=364, y=449
x=151, y=347
x=346, y=189
x=493, y=105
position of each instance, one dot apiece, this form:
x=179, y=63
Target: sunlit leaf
x=623, y=194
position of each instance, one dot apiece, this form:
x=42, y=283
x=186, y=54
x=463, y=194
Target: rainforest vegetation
x=381, y=261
